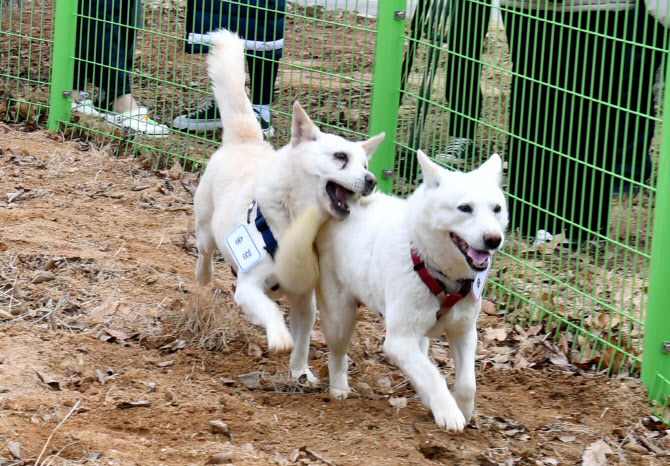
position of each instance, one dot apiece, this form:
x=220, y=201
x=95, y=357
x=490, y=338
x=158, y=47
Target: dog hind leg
x=302, y=315
x=261, y=310
x=206, y=244
x=338, y=319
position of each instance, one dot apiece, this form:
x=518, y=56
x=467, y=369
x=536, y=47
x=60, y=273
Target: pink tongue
x=341, y=194
x=478, y=257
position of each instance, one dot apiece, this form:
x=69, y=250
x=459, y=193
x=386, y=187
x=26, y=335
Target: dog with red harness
x=420, y=263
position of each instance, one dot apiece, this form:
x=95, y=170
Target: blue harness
x=266, y=233
x=263, y=229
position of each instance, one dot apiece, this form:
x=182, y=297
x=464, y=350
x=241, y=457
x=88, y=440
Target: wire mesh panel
x=26, y=38
x=568, y=95
x=152, y=55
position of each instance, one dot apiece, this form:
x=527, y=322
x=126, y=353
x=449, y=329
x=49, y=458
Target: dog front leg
x=301, y=321
x=407, y=352
x=263, y=311
x=463, y=348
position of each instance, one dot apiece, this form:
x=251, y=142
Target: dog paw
x=465, y=399
x=451, y=419
x=280, y=342
x=339, y=393
x=306, y=377
x=467, y=408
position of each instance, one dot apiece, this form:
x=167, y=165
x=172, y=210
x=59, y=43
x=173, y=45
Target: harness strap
x=447, y=300
x=264, y=230
x=266, y=233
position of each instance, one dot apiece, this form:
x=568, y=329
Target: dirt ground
x=97, y=365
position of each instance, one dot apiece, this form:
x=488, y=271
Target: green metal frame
x=62, y=59
x=656, y=355
x=386, y=87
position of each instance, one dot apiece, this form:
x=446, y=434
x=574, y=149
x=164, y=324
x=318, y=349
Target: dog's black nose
x=370, y=183
x=492, y=241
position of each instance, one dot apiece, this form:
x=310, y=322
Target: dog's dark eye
x=467, y=208
x=497, y=209
x=341, y=156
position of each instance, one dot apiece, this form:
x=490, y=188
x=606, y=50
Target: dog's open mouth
x=476, y=259
x=338, y=198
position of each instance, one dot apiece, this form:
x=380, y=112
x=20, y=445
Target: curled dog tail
x=297, y=261
x=226, y=70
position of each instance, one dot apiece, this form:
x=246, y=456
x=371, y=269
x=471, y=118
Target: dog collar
x=447, y=300
x=263, y=229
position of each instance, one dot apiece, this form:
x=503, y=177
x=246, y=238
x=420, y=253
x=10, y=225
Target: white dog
x=246, y=175
x=420, y=263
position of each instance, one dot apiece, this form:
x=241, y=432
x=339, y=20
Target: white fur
x=366, y=258
x=283, y=182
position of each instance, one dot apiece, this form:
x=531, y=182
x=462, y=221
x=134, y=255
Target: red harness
x=447, y=300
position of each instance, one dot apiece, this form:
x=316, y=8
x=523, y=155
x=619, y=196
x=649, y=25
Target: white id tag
x=243, y=248
x=480, y=281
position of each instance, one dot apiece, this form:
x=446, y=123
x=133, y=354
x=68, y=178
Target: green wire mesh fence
x=569, y=94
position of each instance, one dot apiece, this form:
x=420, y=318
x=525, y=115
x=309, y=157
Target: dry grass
x=211, y=320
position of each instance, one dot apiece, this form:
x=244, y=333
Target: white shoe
x=138, y=122
x=458, y=151
x=85, y=107
x=541, y=237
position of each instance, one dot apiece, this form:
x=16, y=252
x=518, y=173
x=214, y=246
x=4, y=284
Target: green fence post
x=656, y=353
x=385, y=97
x=62, y=62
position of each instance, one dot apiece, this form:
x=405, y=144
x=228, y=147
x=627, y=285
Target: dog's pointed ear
x=431, y=170
x=493, y=168
x=370, y=145
x=302, y=128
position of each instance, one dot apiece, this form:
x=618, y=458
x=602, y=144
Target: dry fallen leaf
x=48, y=380
x=250, y=380
x=280, y=460
x=632, y=445
x=108, y=308
x=489, y=308
x=384, y=384
x=398, y=402
x=220, y=458
x=499, y=334
x=43, y=277
x=134, y=404
x=254, y=350
x=173, y=346
x=105, y=309
x=218, y=426
x=520, y=362
x=596, y=454
x=439, y=354
x=605, y=321
x=318, y=338
x=14, y=449
x=559, y=359
x=115, y=334
x=317, y=456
